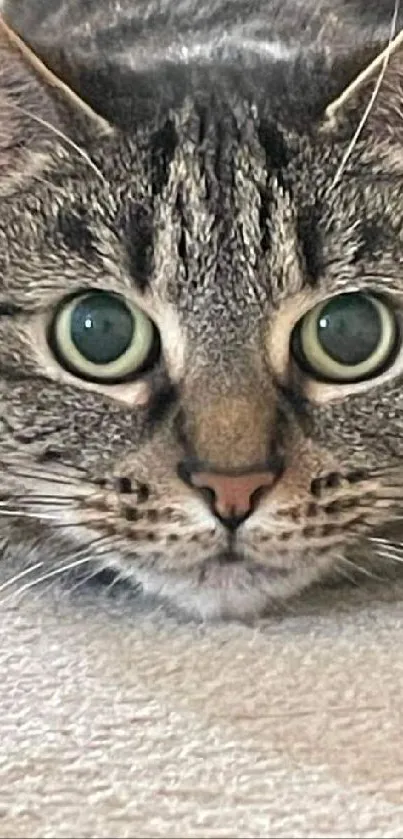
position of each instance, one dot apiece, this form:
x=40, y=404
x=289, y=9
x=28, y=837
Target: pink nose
x=233, y=497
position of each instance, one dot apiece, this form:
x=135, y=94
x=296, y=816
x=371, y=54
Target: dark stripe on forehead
x=277, y=158
x=207, y=217
x=163, y=144
x=139, y=242
x=310, y=242
x=274, y=145
x=158, y=147
x=73, y=227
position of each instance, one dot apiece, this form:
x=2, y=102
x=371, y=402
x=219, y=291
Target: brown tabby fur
x=212, y=204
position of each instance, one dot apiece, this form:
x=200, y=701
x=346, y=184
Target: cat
x=201, y=294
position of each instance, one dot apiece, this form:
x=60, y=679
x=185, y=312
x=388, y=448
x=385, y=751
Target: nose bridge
x=232, y=452
x=230, y=428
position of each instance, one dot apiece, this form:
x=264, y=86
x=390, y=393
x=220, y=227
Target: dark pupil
x=101, y=328
x=350, y=328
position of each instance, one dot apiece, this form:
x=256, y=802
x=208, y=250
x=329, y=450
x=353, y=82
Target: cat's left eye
x=347, y=338
x=102, y=337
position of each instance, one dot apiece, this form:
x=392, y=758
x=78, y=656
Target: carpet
x=117, y=720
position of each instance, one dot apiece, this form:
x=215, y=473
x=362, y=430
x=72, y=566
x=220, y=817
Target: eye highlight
x=348, y=338
x=100, y=336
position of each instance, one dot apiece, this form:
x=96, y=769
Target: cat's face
x=187, y=393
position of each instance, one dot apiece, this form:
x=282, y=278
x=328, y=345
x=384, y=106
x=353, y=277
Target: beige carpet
x=119, y=722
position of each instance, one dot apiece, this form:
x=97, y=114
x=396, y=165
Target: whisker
x=78, y=560
x=384, y=278
x=45, y=476
x=390, y=555
x=387, y=543
x=84, y=522
x=37, y=500
x=53, y=521
x=25, y=514
x=346, y=575
x=387, y=53
x=119, y=577
x=84, y=581
x=49, y=575
x=62, y=136
x=20, y=575
x=360, y=568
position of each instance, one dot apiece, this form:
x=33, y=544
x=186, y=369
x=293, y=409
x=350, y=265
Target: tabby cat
x=201, y=293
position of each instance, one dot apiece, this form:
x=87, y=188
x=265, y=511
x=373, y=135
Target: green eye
x=100, y=336
x=346, y=339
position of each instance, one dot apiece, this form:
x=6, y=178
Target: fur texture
x=213, y=205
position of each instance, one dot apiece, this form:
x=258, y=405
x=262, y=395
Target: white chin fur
x=236, y=595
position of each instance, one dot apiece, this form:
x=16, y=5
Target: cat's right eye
x=102, y=337
x=347, y=338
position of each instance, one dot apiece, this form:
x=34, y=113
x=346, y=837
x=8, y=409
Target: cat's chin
x=228, y=590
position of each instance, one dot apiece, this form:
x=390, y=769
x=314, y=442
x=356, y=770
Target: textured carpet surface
x=115, y=721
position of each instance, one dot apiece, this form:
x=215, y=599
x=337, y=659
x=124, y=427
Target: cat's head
x=201, y=328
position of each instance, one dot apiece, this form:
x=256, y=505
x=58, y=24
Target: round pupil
x=349, y=328
x=101, y=328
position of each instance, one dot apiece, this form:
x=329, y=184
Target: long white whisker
x=368, y=109
x=121, y=577
x=83, y=521
x=62, y=136
x=359, y=568
x=390, y=555
x=85, y=580
x=45, y=476
x=387, y=543
x=38, y=500
x=20, y=575
x=43, y=577
x=23, y=514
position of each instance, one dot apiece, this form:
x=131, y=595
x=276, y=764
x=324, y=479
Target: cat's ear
x=374, y=95
x=36, y=111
